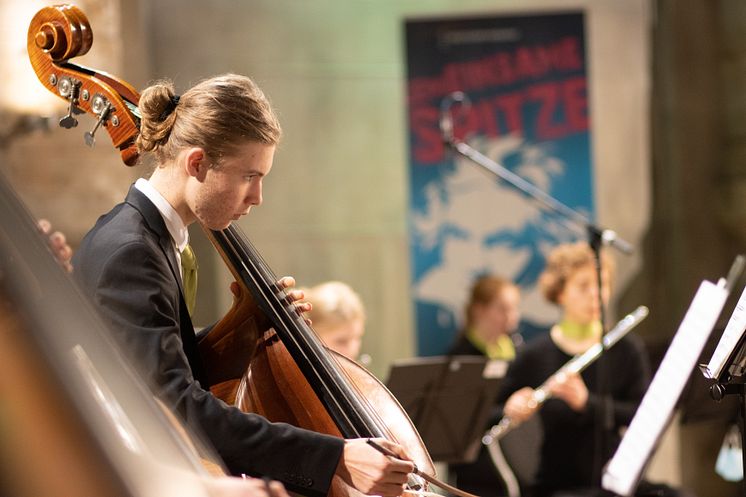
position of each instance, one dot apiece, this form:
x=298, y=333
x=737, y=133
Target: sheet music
x=731, y=336
x=624, y=469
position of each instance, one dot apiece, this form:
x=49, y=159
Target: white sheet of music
x=731, y=336
x=624, y=469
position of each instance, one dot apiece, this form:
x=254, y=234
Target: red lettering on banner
x=561, y=109
x=575, y=96
x=526, y=64
x=428, y=143
x=487, y=118
x=547, y=96
x=510, y=104
x=523, y=65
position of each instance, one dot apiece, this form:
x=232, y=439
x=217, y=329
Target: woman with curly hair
x=568, y=458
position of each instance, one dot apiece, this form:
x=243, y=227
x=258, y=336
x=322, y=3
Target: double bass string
x=357, y=420
x=368, y=421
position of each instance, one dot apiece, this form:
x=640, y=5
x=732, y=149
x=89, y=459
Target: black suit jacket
x=128, y=266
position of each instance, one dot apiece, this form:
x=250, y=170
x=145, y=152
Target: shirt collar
x=176, y=227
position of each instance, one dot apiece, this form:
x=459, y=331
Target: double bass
x=285, y=375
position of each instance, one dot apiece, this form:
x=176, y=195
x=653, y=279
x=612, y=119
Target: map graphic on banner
x=525, y=79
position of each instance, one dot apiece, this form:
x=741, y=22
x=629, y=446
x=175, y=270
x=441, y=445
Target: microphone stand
x=571, y=219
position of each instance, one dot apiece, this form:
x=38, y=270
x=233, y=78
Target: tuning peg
x=103, y=108
x=69, y=121
x=68, y=88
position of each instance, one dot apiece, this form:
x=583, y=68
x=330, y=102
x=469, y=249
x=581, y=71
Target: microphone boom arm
x=608, y=237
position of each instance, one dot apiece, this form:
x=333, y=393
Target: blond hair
x=334, y=303
x=563, y=261
x=217, y=114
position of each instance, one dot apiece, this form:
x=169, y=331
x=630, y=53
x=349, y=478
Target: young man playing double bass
x=213, y=147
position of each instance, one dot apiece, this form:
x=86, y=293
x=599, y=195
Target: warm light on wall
x=25, y=104
x=22, y=92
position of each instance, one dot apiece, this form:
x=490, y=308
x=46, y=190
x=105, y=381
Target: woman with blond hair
x=338, y=316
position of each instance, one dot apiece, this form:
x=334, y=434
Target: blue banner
x=525, y=79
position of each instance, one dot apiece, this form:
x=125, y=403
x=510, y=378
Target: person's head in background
x=338, y=316
x=570, y=281
x=492, y=315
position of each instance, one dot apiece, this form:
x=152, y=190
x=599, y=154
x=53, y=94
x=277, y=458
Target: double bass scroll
x=57, y=34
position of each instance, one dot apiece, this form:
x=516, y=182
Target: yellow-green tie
x=189, y=277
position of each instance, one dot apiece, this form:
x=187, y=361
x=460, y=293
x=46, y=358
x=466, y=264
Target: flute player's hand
x=521, y=405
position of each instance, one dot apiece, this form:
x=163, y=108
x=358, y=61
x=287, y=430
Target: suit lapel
x=155, y=223
x=154, y=220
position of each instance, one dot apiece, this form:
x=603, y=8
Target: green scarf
x=580, y=332
x=502, y=348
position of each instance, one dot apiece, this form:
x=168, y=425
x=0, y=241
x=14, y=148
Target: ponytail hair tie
x=170, y=107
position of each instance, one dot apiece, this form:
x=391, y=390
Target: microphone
x=609, y=237
x=446, y=125
x=446, y=120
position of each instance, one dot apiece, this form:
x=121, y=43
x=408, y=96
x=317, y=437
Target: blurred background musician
x=568, y=419
x=492, y=315
x=338, y=316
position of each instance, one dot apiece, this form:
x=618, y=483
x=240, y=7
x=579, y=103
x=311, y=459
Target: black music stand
x=732, y=381
x=734, y=384
x=623, y=472
x=448, y=398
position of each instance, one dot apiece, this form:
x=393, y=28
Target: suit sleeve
x=141, y=301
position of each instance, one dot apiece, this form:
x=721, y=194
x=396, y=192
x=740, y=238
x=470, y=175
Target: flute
x=575, y=365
